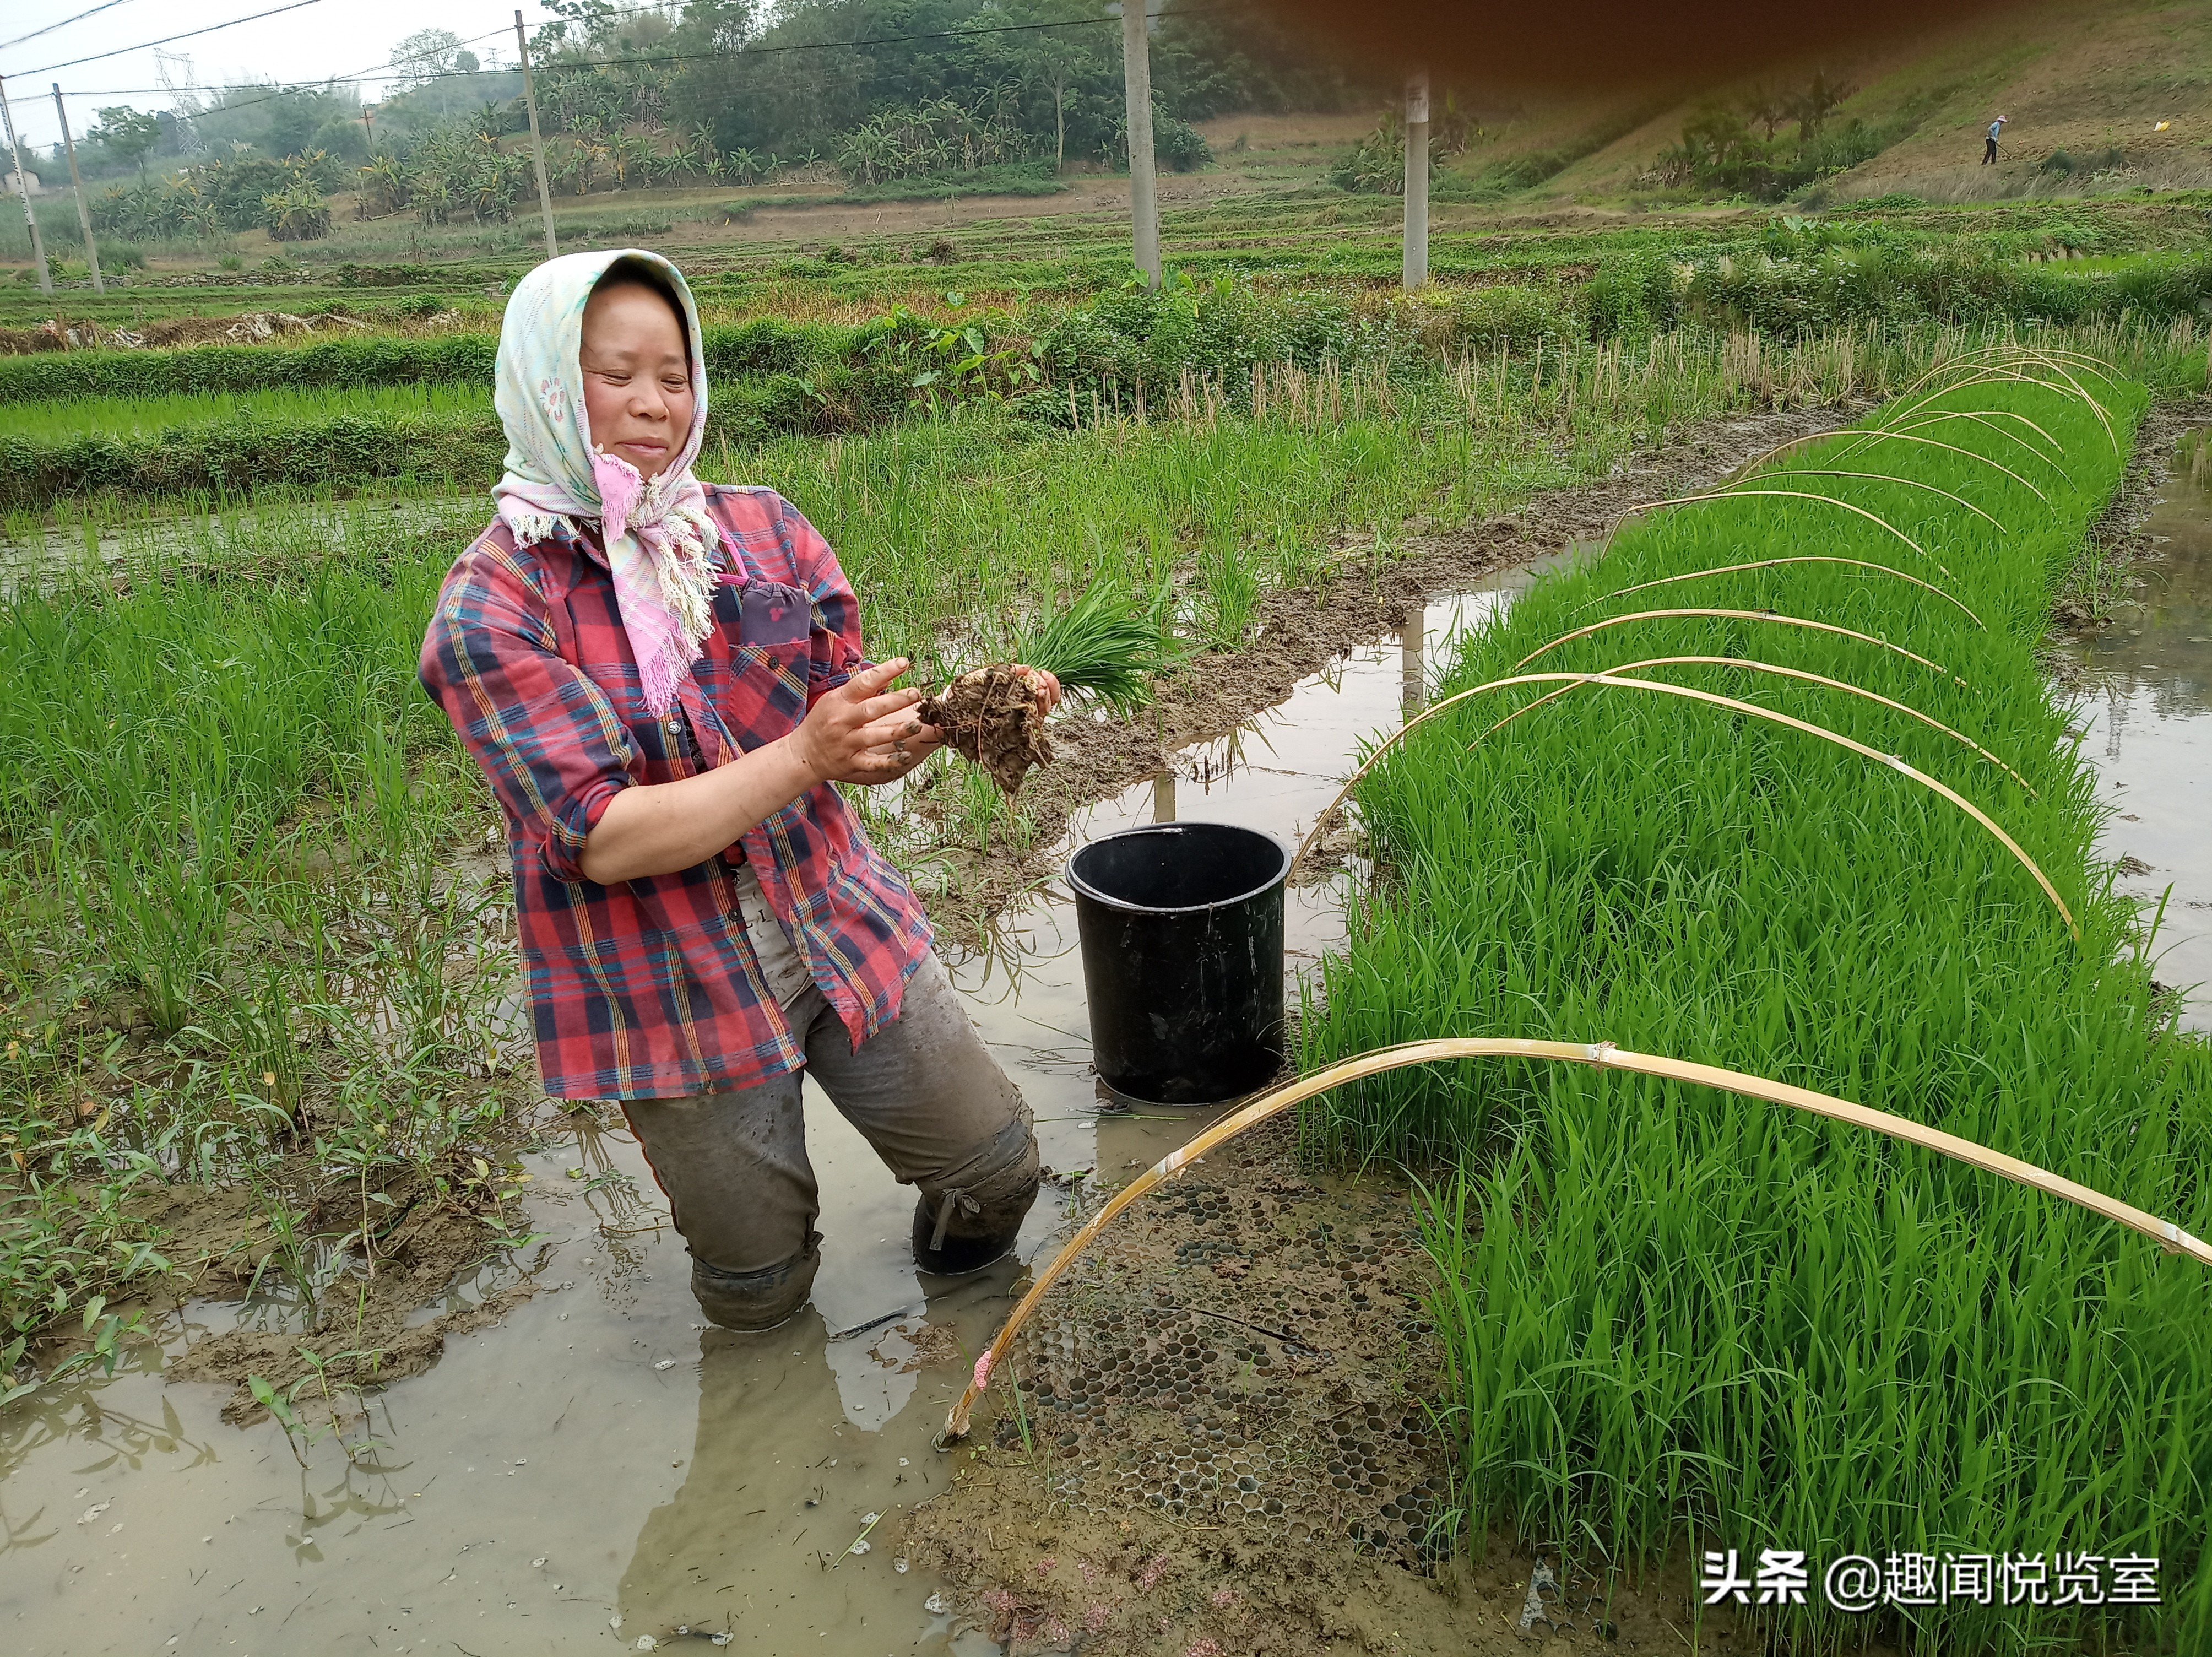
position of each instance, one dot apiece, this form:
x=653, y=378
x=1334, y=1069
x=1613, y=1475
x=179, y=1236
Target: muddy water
x=600, y=1469
x=2145, y=699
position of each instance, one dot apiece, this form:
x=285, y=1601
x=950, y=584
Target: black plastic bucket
x=1182, y=926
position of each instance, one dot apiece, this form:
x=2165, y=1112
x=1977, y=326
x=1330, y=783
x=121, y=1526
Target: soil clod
x=991, y=717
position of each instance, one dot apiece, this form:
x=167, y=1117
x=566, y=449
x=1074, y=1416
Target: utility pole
x=369, y=127
x=24, y=187
x=1143, y=185
x=537, y=139
x=76, y=183
x=1417, y=178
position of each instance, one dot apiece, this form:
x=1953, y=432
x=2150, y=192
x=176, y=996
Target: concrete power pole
x=1144, y=183
x=1417, y=178
x=76, y=183
x=23, y=185
x=537, y=139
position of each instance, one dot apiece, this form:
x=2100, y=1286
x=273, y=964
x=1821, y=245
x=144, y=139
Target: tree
x=1766, y=105
x=426, y=56
x=127, y=134
x=1811, y=108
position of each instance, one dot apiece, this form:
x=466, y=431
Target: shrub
x=296, y=213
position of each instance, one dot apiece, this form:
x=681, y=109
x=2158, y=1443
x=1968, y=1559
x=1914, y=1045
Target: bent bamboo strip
x=1774, y=615
x=1602, y=1054
x=1935, y=416
x=1787, y=495
x=1874, y=434
x=1770, y=564
x=2096, y=408
x=1891, y=760
x=1866, y=436
x=1878, y=477
x=2007, y=374
x=1785, y=673
x=1434, y=709
x=1752, y=708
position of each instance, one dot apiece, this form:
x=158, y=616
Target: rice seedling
x=1104, y=646
x=1602, y=1054
x=146, y=417
x=1100, y=648
x=1668, y=1315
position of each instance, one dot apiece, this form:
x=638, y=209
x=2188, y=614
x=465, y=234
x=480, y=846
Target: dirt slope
x=2080, y=75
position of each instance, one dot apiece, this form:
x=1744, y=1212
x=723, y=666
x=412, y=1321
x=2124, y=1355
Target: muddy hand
x=863, y=731
x=1049, y=696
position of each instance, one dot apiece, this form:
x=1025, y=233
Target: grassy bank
x=224, y=423
x=1677, y=1318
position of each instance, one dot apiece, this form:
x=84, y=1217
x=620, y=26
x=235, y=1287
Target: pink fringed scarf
x=658, y=537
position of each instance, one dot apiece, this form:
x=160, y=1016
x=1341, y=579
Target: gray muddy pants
x=924, y=1091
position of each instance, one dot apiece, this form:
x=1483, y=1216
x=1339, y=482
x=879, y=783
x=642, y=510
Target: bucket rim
x=1085, y=889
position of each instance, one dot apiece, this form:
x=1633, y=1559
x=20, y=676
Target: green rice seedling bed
x=147, y=416
x=1675, y=1318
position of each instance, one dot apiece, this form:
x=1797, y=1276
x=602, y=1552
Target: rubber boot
x=756, y=1300
x=972, y=1215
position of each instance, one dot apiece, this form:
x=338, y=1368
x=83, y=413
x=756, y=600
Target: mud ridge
x=2116, y=543
x=1219, y=1438
x=1299, y=632
x=363, y=1327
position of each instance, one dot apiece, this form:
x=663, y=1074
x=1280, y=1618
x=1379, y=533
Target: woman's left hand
x=1049, y=698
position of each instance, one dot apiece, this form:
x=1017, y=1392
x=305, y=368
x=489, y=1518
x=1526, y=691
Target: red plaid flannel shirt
x=650, y=988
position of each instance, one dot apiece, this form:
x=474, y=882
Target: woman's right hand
x=863, y=732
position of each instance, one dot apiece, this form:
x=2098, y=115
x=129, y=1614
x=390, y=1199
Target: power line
x=366, y=76
x=279, y=88
x=120, y=51
x=103, y=6
x=552, y=64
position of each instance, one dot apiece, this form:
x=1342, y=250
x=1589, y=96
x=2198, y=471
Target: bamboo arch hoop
x=1771, y=564
x=1935, y=417
x=1867, y=436
x=1734, y=705
x=1787, y=495
x=2003, y=366
x=1906, y=708
x=1774, y=615
x=1883, y=478
x=1601, y=1055
x=1883, y=434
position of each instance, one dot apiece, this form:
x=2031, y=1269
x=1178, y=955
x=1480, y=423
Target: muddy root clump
x=989, y=716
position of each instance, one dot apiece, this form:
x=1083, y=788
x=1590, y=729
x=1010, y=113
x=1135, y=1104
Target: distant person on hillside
x=1989, y=149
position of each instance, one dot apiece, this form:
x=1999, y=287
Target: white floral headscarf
x=658, y=537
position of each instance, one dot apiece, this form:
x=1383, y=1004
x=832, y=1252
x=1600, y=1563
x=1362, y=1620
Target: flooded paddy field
x=590, y=1465
x=2142, y=693
x=600, y=1464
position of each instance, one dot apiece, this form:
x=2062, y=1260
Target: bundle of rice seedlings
x=1102, y=648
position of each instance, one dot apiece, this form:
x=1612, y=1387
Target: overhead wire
x=210, y=28
x=104, y=5
x=552, y=64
